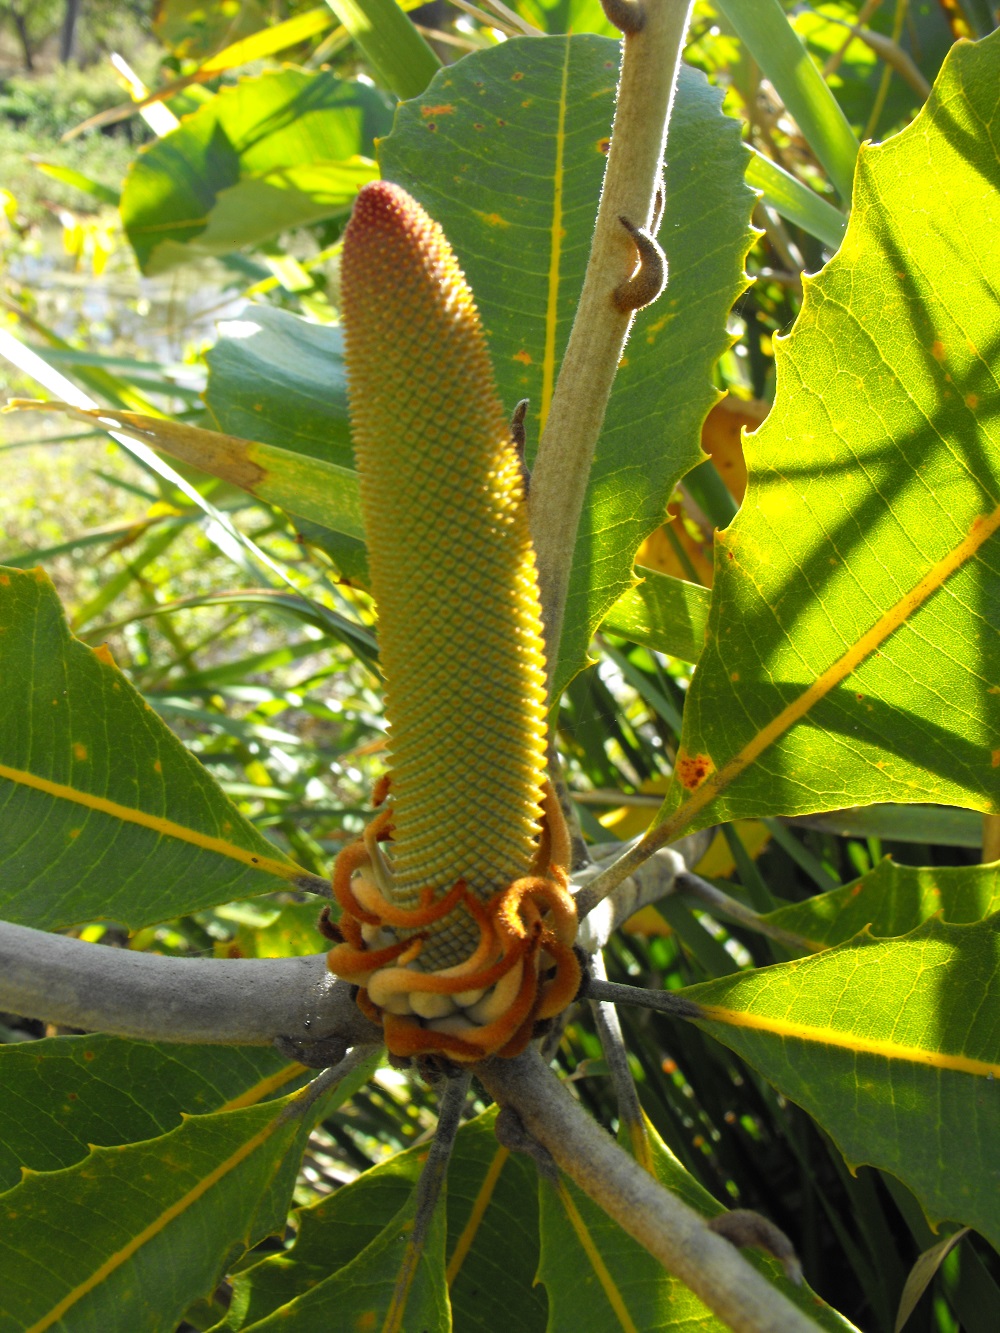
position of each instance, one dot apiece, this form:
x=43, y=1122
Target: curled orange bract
x=521, y=969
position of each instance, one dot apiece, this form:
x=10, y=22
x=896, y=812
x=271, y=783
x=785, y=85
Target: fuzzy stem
x=559, y=479
x=671, y=1231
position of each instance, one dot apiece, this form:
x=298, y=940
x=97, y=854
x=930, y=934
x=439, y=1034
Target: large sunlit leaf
x=64, y=1095
x=491, y=1249
x=893, y=900
x=853, y=651
x=131, y=1236
x=275, y=150
x=893, y=1045
x=506, y=151
x=103, y=813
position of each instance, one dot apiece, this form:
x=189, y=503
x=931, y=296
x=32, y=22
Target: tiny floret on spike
x=457, y=921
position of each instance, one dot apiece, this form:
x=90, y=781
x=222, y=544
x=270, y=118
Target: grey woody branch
x=680, y=1238
x=240, y=1001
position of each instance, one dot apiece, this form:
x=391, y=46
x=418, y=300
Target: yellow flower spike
x=460, y=640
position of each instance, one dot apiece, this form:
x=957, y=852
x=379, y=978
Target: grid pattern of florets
x=451, y=563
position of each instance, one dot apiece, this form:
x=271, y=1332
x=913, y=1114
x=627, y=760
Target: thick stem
x=602, y=913
x=244, y=1001
x=559, y=479
x=679, y=1237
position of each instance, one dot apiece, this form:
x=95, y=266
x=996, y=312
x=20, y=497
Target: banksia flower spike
x=457, y=922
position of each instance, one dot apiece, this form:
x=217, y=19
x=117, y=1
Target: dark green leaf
x=492, y=1239
x=131, y=1236
x=64, y=1095
x=103, y=813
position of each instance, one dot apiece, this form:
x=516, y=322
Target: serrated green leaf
x=852, y=654
x=65, y=1094
x=492, y=1237
x=103, y=813
x=365, y=1292
x=663, y=613
x=893, y=900
x=600, y=1279
x=276, y=122
x=130, y=1236
x=894, y=1047
x=506, y=151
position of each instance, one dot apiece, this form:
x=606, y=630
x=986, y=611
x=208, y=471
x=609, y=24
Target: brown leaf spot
x=428, y=111
x=516, y=76
x=937, y=350
x=80, y=751
x=971, y=401
x=103, y=654
x=523, y=356
x=603, y=144
x=693, y=769
x=995, y=759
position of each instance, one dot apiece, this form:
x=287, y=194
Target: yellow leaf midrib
x=982, y=528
